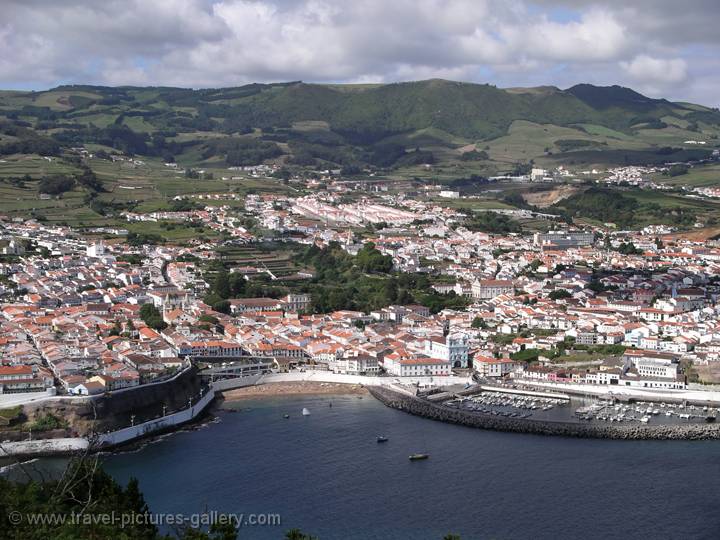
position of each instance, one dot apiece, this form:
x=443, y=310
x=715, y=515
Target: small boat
x=286, y=416
x=710, y=418
x=418, y=457
x=305, y=412
x=382, y=439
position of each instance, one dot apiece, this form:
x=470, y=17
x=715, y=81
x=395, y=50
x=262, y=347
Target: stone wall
x=420, y=407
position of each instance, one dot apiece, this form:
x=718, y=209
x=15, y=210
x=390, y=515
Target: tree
x=85, y=489
x=369, y=259
x=222, y=307
x=116, y=329
x=152, y=317
x=558, y=294
x=677, y=170
x=221, y=284
x=55, y=185
x=478, y=322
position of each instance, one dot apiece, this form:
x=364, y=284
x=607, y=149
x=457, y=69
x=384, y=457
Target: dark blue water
x=327, y=475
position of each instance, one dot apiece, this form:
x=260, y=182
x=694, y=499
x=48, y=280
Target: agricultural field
x=145, y=185
x=280, y=262
x=527, y=140
x=707, y=175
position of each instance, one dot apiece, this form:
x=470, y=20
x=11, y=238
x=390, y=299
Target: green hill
x=351, y=125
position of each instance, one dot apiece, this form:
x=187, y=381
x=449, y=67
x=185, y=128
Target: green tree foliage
x=88, y=179
x=628, y=248
x=369, y=259
x=677, y=170
x=365, y=282
x=559, y=294
x=143, y=239
x=221, y=285
x=566, y=145
x=85, y=488
x=492, y=222
x=602, y=205
x=474, y=155
x=241, y=151
x=152, y=317
x=56, y=184
x=87, y=492
x=47, y=422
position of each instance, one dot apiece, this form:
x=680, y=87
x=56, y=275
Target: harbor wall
x=101, y=441
x=420, y=407
x=130, y=433
x=43, y=447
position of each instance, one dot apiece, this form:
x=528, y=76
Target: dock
x=521, y=392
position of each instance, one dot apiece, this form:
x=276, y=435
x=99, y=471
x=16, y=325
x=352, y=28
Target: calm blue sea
x=327, y=475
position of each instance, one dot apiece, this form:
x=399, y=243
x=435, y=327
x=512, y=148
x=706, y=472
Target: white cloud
x=203, y=43
x=651, y=70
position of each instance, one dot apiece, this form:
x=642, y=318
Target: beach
x=295, y=388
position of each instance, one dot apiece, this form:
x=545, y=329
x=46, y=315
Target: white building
x=486, y=289
x=453, y=349
x=416, y=367
x=96, y=249
x=493, y=367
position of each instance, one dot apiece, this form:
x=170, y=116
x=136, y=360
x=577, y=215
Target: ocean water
x=327, y=475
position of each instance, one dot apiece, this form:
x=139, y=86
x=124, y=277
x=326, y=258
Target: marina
x=562, y=408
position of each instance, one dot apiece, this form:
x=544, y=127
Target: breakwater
x=420, y=407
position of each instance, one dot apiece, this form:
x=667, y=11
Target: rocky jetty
x=426, y=409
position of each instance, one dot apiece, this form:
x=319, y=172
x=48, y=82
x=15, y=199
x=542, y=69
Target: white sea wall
x=43, y=447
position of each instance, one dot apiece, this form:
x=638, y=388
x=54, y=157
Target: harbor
x=336, y=447
x=561, y=408
x=585, y=417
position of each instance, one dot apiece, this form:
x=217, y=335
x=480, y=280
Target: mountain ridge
x=342, y=124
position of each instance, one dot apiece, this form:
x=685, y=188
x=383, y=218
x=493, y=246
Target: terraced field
x=279, y=262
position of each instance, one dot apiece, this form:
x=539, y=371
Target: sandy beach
x=301, y=388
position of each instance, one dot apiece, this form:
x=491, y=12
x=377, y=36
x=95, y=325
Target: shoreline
x=293, y=388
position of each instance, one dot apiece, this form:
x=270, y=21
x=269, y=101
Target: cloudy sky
x=664, y=48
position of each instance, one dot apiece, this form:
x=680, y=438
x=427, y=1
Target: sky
x=662, y=48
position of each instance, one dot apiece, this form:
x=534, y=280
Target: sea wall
x=103, y=441
x=130, y=433
x=43, y=447
x=420, y=407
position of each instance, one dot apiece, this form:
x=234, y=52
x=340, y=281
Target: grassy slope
x=442, y=116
